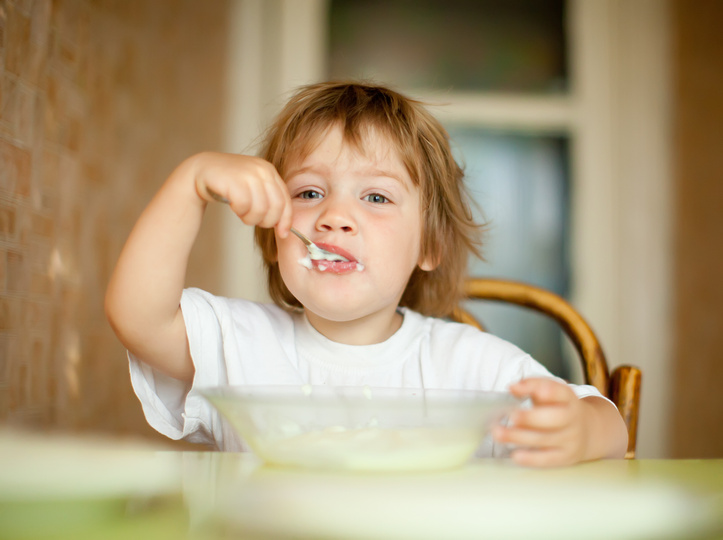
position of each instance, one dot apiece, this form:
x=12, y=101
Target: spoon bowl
x=315, y=252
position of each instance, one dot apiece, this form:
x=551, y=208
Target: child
x=368, y=174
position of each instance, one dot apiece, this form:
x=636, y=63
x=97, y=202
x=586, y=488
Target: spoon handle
x=302, y=237
x=216, y=197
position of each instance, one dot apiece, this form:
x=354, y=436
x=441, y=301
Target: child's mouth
x=337, y=267
x=339, y=262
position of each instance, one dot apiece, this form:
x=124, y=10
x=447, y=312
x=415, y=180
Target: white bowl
x=360, y=428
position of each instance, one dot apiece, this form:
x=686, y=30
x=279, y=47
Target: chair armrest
x=625, y=393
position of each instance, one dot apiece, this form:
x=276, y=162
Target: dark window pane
x=521, y=184
x=482, y=45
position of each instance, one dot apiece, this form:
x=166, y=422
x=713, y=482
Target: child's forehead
x=371, y=144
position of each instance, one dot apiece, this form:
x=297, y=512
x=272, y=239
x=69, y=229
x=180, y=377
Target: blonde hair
x=449, y=232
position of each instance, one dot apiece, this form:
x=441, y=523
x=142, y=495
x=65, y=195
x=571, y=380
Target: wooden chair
x=622, y=386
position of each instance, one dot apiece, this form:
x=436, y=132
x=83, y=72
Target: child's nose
x=336, y=216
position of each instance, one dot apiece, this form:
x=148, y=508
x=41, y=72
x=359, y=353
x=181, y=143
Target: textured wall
x=99, y=100
x=698, y=153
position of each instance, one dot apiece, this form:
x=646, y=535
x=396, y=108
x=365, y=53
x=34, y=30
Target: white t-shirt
x=238, y=342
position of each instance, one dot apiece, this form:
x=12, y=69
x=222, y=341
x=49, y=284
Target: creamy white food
x=365, y=446
x=306, y=262
x=372, y=448
x=318, y=254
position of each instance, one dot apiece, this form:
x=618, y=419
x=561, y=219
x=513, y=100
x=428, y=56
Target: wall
x=697, y=397
x=99, y=100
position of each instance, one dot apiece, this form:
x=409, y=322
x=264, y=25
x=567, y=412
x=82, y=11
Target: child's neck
x=374, y=328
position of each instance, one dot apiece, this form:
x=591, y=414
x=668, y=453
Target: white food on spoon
x=318, y=254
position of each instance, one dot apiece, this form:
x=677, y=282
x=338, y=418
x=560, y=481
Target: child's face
x=363, y=207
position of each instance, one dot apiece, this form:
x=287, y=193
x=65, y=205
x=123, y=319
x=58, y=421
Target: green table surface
x=82, y=489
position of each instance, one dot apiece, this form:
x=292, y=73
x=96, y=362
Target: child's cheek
x=288, y=253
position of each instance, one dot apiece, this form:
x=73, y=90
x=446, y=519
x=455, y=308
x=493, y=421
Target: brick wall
x=99, y=100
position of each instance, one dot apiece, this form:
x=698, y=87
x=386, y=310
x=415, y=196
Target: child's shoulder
x=447, y=333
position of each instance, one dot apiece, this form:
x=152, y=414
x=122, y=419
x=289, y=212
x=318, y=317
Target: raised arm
x=143, y=298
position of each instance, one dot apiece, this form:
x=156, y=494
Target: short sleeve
x=163, y=400
x=172, y=407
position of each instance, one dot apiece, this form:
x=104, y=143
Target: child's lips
x=338, y=251
x=336, y=267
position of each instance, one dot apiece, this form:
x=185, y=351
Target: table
x=80, y=488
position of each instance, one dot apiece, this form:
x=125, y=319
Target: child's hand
x=253, y=188
x=554, y=432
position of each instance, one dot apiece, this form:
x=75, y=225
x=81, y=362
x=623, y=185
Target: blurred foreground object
x=54, y=486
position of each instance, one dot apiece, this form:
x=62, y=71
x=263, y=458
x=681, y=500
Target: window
x=462, y=52
x=462, y=45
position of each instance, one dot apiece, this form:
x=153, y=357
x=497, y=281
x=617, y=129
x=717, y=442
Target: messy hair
x=449, y=232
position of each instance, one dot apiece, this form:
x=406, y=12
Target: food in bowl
x=360, y=428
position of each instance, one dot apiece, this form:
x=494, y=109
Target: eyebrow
x=369, y=171
x=374, y=171
x=301, y=170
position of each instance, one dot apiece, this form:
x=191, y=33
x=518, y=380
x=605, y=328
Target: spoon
x=315, y=252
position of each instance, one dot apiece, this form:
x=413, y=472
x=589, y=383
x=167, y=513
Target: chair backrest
x=622, y=386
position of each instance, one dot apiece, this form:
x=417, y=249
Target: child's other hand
x=252, y=186
x=551, y=433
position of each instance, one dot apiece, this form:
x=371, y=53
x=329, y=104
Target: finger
x=543, y=390
x=208, y=193
x=549, y=417
x=531, y=438
x=252, y=208
x=277, y=197
x=272, y=210
x=275, y=192
x=283, y=227
x=237, y=197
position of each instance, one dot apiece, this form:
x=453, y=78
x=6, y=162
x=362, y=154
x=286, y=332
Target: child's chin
x=333, y=312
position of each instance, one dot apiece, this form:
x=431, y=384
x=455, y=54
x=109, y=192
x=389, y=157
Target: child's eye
x=309, y=194
x=376, y=198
